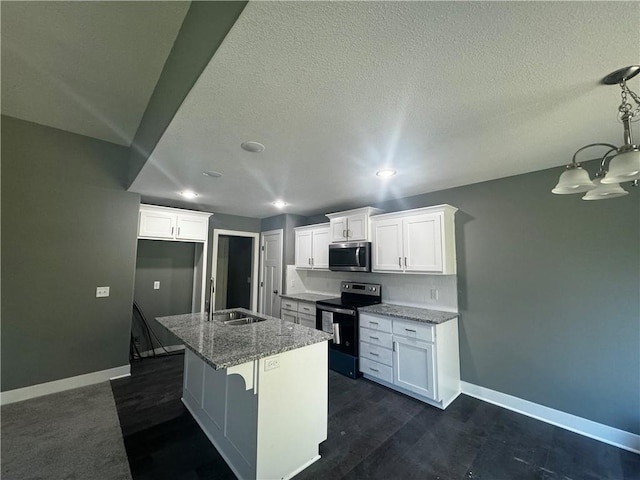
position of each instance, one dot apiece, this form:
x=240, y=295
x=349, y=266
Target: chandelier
x=623, y=162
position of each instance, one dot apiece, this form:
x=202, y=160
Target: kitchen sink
x=235, y=318
x=243, y=321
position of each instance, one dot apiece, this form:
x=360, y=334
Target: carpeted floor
x=71, y=435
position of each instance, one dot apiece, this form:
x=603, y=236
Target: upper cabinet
x=415, y=241
x=164, y=223
x=312, y=246
x=352, y=225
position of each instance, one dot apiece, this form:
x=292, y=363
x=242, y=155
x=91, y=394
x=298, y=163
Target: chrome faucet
x=211, y=297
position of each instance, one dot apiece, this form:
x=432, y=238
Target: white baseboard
x=33, y=391
x=588, y=428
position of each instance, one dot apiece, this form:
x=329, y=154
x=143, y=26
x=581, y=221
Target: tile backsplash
x=439, y=292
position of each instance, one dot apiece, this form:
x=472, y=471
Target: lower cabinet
x=297, y=311
x=415, y=358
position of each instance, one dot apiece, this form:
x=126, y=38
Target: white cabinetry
x=351, y=225
x=312, y=246
x=415, y=241
x=303, y=313
x=415, y=358
x=166, y=223
x=178, y=225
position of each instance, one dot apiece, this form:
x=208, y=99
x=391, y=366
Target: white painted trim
x=588, y=428
x=254, y=261
x=33, y=391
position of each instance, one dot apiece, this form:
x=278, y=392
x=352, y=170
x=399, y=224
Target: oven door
x=343, y=324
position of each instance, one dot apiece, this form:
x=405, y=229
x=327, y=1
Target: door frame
x=254, y=262
x=262, y=234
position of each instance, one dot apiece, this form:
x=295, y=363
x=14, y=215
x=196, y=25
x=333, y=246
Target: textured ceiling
x=85, y=67
x=447, y=93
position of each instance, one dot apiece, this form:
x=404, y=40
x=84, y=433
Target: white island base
x=265, y=417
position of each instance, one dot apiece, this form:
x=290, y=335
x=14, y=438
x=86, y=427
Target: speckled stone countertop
x=308, y=297
x=409, y=313
x=223, y=346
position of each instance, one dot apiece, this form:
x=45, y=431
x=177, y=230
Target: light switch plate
x=271, y=363
x=156, y=285
x=102, y=292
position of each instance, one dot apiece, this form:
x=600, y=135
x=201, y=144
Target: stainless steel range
x=340, y=317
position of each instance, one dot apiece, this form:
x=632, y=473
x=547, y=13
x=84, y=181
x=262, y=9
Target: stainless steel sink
x=243, y=321
x=235, y=318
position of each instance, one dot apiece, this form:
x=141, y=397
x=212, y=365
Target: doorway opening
x=234, y=270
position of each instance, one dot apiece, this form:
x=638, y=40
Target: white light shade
x=604, y=191
x=574, y=180
x=624, y=167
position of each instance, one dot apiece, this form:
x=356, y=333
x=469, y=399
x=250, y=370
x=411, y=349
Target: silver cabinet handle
x=405, y=262
x=400, y=262
x=374, y=354
x=309, y=261
x=373, y=338
x=373, y=369
x=178, y=231
x=372, y=323
x=312, y=260
x=409, y=330
x=171, y=230
x=344, y=233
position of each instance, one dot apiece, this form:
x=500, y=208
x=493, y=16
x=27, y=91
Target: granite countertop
x=423, y=315
x=308, y=297
x=223, y=346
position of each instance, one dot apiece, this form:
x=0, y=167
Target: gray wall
x=68, y=226
x=170, y=263
x=549, y=294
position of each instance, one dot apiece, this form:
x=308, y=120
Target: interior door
x=271, y=285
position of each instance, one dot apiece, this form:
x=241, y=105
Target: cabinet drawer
x=373, y=322
x=289, y=305
x=382, y=339
x=416, y=330
x=307, y=308
x=375, y=369
x=376, y=353
x=307, y=320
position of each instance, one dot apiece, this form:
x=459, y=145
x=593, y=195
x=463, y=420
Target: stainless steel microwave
x=350, y=257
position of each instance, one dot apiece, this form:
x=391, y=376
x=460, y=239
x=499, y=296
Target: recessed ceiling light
x=212, y=174
x=280, y=203
x=253, y=147
x=386, y=173
x=189, y=194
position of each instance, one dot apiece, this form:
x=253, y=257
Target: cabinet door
x=289, y=316
x=306, y=320
x=320, y=248
x=357, y=227
x=423, y=243
x=192, y=228
x=338, y=229
x=303, y=248
x=156, y=224
x=414, y=366
x=387, y=245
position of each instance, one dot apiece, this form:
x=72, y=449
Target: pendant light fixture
x=624, y=165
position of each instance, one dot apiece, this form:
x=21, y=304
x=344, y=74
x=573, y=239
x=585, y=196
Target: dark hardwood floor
x=374, y=433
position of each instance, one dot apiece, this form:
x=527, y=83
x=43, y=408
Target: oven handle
x=344, y=311
x=336, y=333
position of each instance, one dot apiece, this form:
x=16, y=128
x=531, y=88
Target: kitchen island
x=259, y=391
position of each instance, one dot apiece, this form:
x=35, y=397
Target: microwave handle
x=358, y=256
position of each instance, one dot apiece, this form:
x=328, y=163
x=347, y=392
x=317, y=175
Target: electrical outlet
x=102, y=292
x=293, y=282
x=156, y=285
x=434, y=294
x=271, y=363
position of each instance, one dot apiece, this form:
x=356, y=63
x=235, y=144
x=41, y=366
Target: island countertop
x=223, y=346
